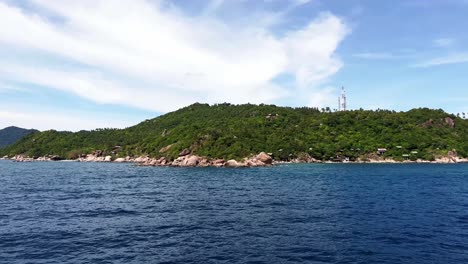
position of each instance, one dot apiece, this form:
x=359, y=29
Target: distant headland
x=260, y=135
x=12, y=134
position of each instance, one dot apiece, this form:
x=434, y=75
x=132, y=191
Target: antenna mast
x=342, y=100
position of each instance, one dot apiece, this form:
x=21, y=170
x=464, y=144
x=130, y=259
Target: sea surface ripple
x=67, y=212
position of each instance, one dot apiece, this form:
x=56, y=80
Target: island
x=259, y=135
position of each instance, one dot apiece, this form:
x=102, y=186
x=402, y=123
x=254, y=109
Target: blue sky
x=72, y=65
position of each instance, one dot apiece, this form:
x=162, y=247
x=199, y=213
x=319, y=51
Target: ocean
x=71, y=212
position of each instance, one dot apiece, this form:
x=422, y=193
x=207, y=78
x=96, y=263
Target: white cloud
x=455, y=58
x=310, y=51
x=153, y=56
x=323, y=98
x=91, y=86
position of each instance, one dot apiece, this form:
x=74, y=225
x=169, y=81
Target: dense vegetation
x=10, y=135
x=237, y=131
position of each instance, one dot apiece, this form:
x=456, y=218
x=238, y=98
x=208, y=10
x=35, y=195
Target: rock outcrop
x=56, y=158
x=234, y=164
x=190, y=161
x=450, y=122
x=260, y=160
x=204, y=163
x=218, y=163
x=21, y=158
x=141, y=159
x=184, y=152
x=265, y=158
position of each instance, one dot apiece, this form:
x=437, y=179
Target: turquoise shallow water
x=67, y=212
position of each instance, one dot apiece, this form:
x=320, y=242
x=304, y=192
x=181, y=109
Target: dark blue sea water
x=64, y=212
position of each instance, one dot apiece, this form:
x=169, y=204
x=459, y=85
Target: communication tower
x=342, y=100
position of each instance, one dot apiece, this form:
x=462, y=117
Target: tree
x=237, y=131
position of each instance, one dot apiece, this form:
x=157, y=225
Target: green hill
x=10, y=135
x=237, y=131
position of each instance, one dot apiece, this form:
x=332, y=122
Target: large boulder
x=190, y=161
x=177, y=162
x=17, y=157
x=218, y=163
x=254, y=162
x=154, y=162
x=141, y=159
x=120, y=160
x=184, y=152
x=265, y=158
x=251, y=163
x=204, y=163
x=163, y=161
x=56, y=158
x=233, y=164
x=450, y=122
x=90, y=157
x=108, y=158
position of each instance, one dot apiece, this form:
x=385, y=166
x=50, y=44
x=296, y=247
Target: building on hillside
x=381, y=151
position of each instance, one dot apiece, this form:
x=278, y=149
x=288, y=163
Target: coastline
x=260, y=160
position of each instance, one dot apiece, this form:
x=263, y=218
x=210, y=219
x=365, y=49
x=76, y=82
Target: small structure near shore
x=381, y=151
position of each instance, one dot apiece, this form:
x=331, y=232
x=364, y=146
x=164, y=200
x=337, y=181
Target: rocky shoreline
x=188, y=160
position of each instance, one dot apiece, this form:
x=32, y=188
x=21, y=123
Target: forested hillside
x=237, y=131
x=10, y=135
